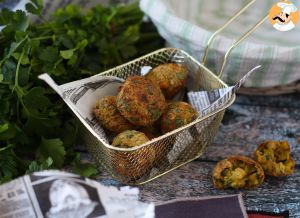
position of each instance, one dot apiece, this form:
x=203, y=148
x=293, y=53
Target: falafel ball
x=237, y=172
x=170, y=77
x=161, y=147
x=133, y=164
x=106, y=112
x=275, y=158
x=177, y=114
x=152, y=131
x=140, y=101
x=129, y=139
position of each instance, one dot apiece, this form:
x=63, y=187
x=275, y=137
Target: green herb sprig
x=37, y=131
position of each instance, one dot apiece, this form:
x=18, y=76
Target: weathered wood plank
x=285, y=101
x=194, y=180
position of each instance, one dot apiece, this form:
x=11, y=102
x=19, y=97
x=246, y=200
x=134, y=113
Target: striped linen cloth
x=189, y=24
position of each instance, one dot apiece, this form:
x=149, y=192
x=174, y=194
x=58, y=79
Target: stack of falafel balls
x=141, y=111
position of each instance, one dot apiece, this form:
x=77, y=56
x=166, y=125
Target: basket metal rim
x=199, y=119
x=161, y=50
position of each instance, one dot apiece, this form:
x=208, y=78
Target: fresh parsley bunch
x=37, y=131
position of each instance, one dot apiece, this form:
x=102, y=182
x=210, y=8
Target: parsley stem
x=17, y=88
x=20, y=94
x=13, y=49
x=18, y=69
x=42, y=38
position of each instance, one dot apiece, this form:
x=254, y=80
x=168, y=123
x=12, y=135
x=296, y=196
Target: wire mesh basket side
x=156, y=159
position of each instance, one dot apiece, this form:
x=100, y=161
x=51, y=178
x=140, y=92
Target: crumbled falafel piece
x=275, y=158
x=106, y=112
x=140, y=101
x=237, y=172
x=133, y=164
x=170, y=77
x=177, y=114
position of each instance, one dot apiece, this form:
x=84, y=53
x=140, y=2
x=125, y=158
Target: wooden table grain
x=248, y=122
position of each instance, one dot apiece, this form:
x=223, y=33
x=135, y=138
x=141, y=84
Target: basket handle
x=237, y=42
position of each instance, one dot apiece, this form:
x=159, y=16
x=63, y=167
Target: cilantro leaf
x=7, y=131
x=51, y=148
x=31, y=8
x=67, y=54
x=34, y=7
x=49, y=54
x=21, y=20
x=8, y=165
x=36, y=99
x=6, y=16
x=85, y=169
x=34, y=166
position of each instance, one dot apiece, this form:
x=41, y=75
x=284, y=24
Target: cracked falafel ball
x=275, y=158
x=177, y=114
x=170, y=77
x=140, y=101
x=107, y=114
x=237, y=172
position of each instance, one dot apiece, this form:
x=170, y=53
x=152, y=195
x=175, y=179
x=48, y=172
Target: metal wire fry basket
x=143, y=163
x=161, y=155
